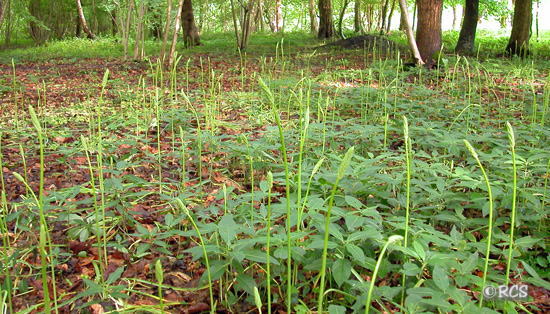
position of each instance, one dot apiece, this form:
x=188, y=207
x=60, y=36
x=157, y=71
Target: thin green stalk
x=183, y=160
x=205, y=254
x=408, y=193
x=392, y=239
x=97, y=212
x=159, y=148
x=490, y=227
x=268, y=244
x=251, y=176
x=304, y=123
x=100, y=170
x=341, y=172
x=44, y=233
x=512, y=139
x=287, y=189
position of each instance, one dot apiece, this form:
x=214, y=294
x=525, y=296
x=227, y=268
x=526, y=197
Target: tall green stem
x=512, y=139
x=490, y=227
x=341, y=172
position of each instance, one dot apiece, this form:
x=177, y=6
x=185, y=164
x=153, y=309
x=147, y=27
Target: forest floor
x=139, y=161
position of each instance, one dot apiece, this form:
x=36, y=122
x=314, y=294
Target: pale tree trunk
x=314, y=25
x=172, y=54
x=521, y=28
x=83, y=23
x=326, y=25
x=7, y=16
x=167, y=25
x=190, y=31
x=383, y=14
x=357, y=21
x=139, y=52
x=1, y=12
x=278, y=22
x=126, y=26
x=242, y=35
x=259, y=17
x=402, y=26
x=409, y=32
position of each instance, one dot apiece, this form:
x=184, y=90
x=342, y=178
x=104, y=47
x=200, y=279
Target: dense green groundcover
x=146, y=160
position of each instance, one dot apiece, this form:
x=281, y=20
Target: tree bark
x=428, y=33
x=383, y=14
x=78, y=30
x=409, y=32
x=278, y=22
x=172, y=53
x=341, y=18
x=392, y=8
x=326, y=25
x=521, y=28
x=190, y=31
x=83, y=23
x=1, y=12
x=467, y=37
x=314, y=25
x=167, y=24
x=357, y=21
x=402, y=26
x=139, y=52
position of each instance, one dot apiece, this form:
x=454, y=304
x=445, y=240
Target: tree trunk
x=1, y=12
x=357, y=21
x=326, y=26
x=114, y=26
x=138, y=45
x=278, y=22
x=341, y=18
x=537, y=20
x=78, y=30
x=409, y=32
x=383, y=14
x=167, y=24
x=402, y=17
x=392, y=8
x=7, y=16
x=521, y=28
x=127, y=20
x=172, y=53
x=314, y=25
x=83, y=23
x=190, y=31
x=467, y=37
x=428, y=33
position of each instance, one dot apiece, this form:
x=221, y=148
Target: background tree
x=326, y=24
x=467, y=37
x=409, y=32
x=521, y=28
x=314, y=25
x=83, y=22
x=357, y=20
x=428, y=33
x=190, y=30
x=1, y=12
